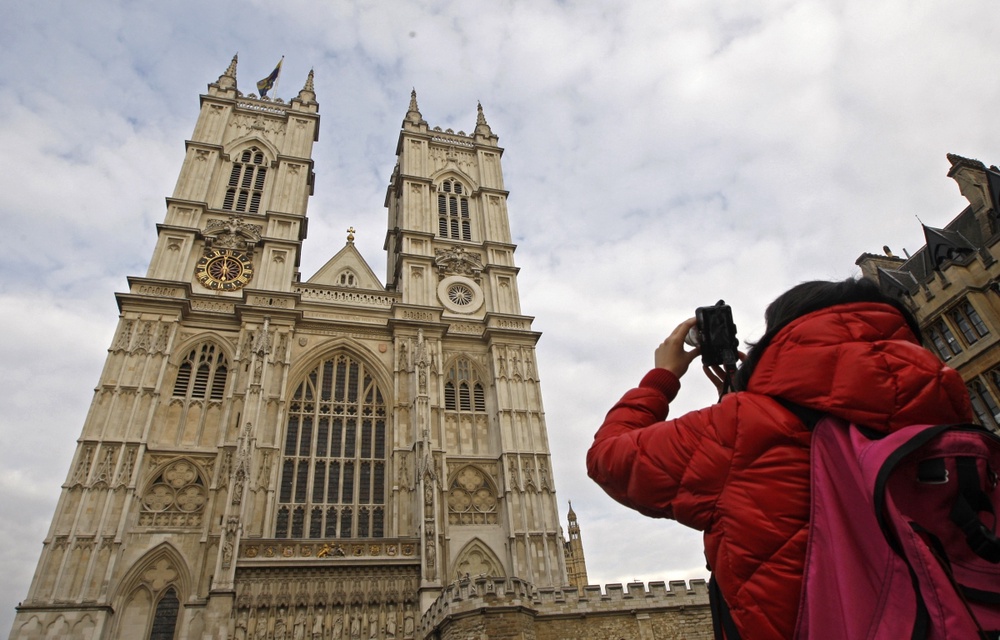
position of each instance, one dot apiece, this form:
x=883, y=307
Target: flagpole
x=278, y=79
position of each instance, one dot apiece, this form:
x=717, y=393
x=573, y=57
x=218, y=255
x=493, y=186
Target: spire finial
x=308, y=92
x=482, y=127
x=350, y=235
x=413, y=113
x=228, y=79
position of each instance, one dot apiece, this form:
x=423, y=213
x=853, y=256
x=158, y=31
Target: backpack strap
x=809, y=417
x=723, y=626
x=969, y=503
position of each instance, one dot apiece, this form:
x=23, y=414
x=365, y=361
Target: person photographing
x=738, y=470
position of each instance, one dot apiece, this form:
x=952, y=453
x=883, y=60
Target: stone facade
x=267, y=458
x=952, y=285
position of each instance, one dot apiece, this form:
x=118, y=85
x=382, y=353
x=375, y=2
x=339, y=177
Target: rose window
x=472, y=500
x=461, y=294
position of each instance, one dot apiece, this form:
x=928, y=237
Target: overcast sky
x=660, y=155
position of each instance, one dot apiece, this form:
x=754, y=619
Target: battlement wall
x=624, y=607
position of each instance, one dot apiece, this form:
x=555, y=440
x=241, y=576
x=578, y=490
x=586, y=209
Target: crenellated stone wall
x=508, y=608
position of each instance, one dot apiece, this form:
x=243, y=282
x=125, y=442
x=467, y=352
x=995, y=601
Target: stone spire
x=413, y=116
x=308, y=92
x=483, y=131
x=228, y=79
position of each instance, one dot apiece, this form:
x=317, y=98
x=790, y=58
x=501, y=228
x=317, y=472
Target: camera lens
x=693, y=338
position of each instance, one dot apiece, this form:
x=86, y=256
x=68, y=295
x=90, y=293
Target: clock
x=224, y=270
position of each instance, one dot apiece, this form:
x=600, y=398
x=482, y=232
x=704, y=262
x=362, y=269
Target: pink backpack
x=903, y=534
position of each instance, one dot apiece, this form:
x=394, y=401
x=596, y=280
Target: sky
x=660, y=155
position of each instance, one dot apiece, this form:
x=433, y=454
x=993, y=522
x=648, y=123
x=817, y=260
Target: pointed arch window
x=202, y=375
x=165, y=618
x=333, y=474
x=246, y=182
x=463, y=388
x=347, y=278
x=453, y=211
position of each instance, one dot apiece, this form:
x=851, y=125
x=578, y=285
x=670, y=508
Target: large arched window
x=202, y=375
x=453, y=211
x=246, y=182
x=333, y=464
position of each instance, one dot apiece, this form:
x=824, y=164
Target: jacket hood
x=860, y=362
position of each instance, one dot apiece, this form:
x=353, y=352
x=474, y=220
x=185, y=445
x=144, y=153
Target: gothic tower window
x=246, y=182
x=333, y=482
x=202, y=375
x=463, y=389
x=453, y=211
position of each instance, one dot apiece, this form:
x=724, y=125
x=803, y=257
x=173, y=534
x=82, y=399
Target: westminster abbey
x=268, y=457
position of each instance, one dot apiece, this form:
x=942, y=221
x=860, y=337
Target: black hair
x=812, y=296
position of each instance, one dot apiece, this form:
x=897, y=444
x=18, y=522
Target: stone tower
x=267, y=457
x=576, y=562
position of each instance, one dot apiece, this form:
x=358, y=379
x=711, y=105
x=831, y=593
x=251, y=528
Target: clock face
x=224, y=270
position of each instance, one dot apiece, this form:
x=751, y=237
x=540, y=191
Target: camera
x=715, y=333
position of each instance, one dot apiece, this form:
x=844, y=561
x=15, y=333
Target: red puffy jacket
x=739, y=470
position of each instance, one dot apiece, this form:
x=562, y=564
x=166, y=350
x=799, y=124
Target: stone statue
x=241, y=626
x=317, y=628
x=299, y=630
x=390, y=624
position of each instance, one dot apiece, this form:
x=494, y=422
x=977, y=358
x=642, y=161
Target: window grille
x=453, y=212
x=246, y=182
x=463, y=390
x=202, y=374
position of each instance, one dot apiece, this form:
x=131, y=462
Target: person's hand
x=671, y=355
x=717, y=375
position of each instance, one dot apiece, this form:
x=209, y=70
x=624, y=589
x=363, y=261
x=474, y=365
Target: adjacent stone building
x=952, y=284
x=273, y=458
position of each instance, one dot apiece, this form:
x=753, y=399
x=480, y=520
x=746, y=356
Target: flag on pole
x=263, y=86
